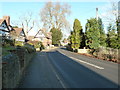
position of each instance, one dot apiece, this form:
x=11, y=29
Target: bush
x=18, y=43
x=30, y=48
x=37, y=44
x=68, y=47
x=8, y=42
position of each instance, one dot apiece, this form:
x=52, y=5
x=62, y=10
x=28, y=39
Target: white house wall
x=4, y=27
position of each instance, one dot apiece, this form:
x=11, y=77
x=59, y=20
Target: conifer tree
x=102, y=33
x=76, y=36
x=92, y=34
x=112, y=37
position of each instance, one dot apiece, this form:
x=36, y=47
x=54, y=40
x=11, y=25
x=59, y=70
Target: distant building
x=19, y=34
x=42, y=36
x=48, y=39
x=4, y=27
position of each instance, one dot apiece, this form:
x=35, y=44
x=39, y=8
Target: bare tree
x=111, y=12
x=54, y=15
x=27, y=22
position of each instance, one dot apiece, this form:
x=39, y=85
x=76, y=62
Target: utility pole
x=97, y=13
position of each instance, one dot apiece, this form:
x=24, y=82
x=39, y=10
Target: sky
x=81, y=10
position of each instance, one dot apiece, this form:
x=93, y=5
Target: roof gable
x=1, y=21
x=19, y=31
x=3, y=26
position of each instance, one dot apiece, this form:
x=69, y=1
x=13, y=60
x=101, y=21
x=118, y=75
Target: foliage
x=102, y=33
x=29, y=48
x=64, y=40
x=5, y=50
x=92, y=34
x=56, y=36
x=68, y=47
x=8, y=42
x=19, y=43
x=118, y=33
x=15, y=26
x=76, y=35
x=83, y=40
x=112, y=37
x=36, y=44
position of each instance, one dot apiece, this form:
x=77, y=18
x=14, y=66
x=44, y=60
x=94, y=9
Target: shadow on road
x=77, y=75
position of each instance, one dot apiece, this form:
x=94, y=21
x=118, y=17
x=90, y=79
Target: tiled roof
x=30, y=37
x=18, y=30
x=1, y=20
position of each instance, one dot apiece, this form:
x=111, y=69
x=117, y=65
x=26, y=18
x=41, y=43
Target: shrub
x=30, y=48
x=37, y=44
x=68, y=47
x=8, y=42
x=18, y=43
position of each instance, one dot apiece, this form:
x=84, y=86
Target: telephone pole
x=97, y=13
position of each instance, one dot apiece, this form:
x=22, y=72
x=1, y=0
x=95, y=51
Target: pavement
x=59, y=68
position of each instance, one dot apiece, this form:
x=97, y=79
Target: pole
x=97, y=13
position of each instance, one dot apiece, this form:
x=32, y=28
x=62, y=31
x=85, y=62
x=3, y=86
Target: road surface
x=60, y=68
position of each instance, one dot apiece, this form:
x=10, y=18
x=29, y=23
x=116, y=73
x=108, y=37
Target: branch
x=31, y=27
x=37, y=33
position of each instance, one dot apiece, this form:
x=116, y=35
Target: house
x=30, y=38
x=18, y=34
x=33, y=38
x=44, y=37
x=4, y=28
x=48, y=39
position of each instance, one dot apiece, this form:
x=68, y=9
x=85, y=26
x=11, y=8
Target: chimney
x=7, y=18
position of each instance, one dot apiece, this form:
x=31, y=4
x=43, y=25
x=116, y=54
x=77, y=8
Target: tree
x=112, y=16
x=92, y=34
x=26, y=22
x=83, y=40
x=102, y=33
x=76, y=35
x=15, y=26
x=54, y=15
x=108, y=35
x=56, y=36
x=112, y=40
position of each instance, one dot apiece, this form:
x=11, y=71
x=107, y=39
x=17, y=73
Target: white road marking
x=59, y=79
x=87, y=63
x=98, y=67
x=57, y=76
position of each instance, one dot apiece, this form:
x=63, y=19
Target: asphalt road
x=60, y=68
